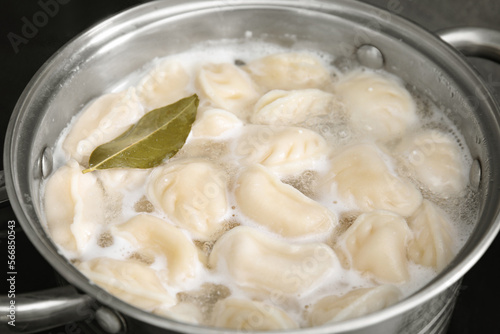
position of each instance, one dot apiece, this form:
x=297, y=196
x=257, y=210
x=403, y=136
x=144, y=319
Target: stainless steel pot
x=353, y=32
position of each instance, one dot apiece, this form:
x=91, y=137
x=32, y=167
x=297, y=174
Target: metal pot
x=352, y=32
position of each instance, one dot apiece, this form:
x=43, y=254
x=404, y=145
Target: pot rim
x=36, y=234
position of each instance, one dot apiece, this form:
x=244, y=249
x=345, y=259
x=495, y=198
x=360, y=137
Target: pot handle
x=474, y=42
x=43, y=310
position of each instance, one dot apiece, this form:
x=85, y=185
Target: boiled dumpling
x=122, y=179
x=379, y=105
x=192, y=193
x=282, y=209
x=353, y=304
x=360, y=174
x=433, y=244
x=435, y=159
x=133, y=282
x=165, y=84
x=279, y=107
x=156, y=237
x=289, y=71
x=215, y=123
x=260, y=263
x=288, y=150
x=182, y=311
x=227, y=87
x=103, y=120
x=376, y=243
x=74, y=208
x=117, y=182
x=248, y=315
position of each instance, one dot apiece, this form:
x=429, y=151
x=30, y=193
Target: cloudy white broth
x=304, y=194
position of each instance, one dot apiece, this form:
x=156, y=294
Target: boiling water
x=210, y=285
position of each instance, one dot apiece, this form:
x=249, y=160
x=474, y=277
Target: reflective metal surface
x=474, y=42
x=44, y=310
x=119, y=45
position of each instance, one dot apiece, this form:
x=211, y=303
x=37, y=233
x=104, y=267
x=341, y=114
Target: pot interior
x=100, y=59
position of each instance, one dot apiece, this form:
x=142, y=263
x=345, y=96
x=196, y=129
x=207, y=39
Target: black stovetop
x=477, y=309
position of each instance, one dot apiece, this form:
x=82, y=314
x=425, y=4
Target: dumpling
x=74, y=208
x=376, y=244
x=192, y=193
x=289, y=71
x=280, y=107
x=133, y=282
x=122, y=179
x=249, y=315
x=354, y=304
x=156, y=237
x=379, y=105
x=227, y=87
x=120, y=182
x=279, y=207
x=433, y=244
x=288, y=150
x=435, y=159
x=260, y=263
x=360, y=174
x=103, y=120
x=182, y=311
x=215, y=123
x=165, y=84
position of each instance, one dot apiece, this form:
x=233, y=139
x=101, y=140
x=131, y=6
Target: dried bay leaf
x=158, y=135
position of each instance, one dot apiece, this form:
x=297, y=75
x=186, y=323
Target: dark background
x=477, y=310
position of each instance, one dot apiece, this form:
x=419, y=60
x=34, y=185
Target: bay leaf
x=158, y=135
